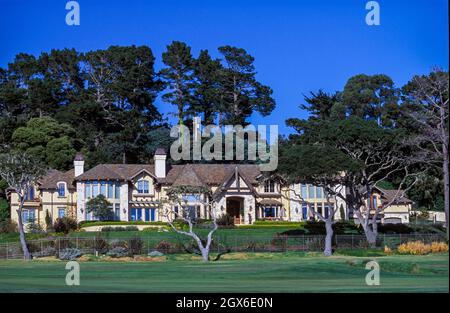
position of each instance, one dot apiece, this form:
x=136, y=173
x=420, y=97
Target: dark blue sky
x=299, y=46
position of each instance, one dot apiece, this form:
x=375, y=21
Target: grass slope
x=239, y=273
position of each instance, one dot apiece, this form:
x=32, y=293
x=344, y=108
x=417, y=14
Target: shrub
x=118, y=252
x=387, y=250
x=277, y=223
x=135, y=245
x=295, y=232
x=156, y=229
x=346, y=228
x=437, y=247
x=100, y=245
x=47, y=251
x=420, y=248
x=35, y=228
x=8, y=226
x=163, y=246
x=118, y=243
x=280, y=241
x=69, y=254
x=119, y=228
x=48, y=222
x=65, y=225
x=394, y=229
x=225, y=220
x=123, y=223
x=414, y=247
x=131, y=228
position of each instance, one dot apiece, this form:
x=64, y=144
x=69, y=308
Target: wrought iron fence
x=98, y=245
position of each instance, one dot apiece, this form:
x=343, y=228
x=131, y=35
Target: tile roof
x=389, y=195
x=197, y=174
x=188, y=176
x=51, y=179
x=115, y=171
x=212, y=174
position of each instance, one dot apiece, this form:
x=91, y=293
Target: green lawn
x=238, y=273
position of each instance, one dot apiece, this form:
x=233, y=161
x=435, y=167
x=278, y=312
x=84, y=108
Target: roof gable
x=188, y=177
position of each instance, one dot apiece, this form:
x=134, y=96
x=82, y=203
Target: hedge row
x=97, y=223
x=278, y=223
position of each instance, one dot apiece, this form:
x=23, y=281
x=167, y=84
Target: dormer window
x=143, y=186
x=61, y=189
x=269, y=186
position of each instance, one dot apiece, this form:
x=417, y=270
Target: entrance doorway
x=235, y=207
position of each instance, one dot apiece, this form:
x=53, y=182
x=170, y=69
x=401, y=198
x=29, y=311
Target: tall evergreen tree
x=178, y=77
x=372, y=98
x=206, y=87
x=241, y=93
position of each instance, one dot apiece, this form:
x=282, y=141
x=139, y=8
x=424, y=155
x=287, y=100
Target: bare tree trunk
x=205, y=254
x=371, y=238
x=328, y=251
x=23, y=242
x=446, y=187
x=371, y=234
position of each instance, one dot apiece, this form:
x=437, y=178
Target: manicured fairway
x=244, y=273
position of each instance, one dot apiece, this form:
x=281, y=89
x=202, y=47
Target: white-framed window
x=319, y=192
x=87, y=190
x=61, y=189
x=94, y=189
x=303, y=191
x=28, y=215
x=61, y=212
x=269, y=186
x=103, y=188
x=311, y=191
x=117, y=190
x=117, y=212
x=110, y=190
x=143, y=186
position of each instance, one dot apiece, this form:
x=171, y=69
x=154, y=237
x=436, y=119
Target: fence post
x=7, y=251
x=352, y=241
x=59, y=245
x=94, y=244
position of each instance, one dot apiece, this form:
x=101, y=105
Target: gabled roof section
x=116, y=171
x=213, y=174
x=142, y=170
x=53, y=177
x=235, y=175
x=188, y=176
x=390, y=195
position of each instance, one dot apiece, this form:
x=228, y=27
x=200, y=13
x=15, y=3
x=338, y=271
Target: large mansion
x=135, y=192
